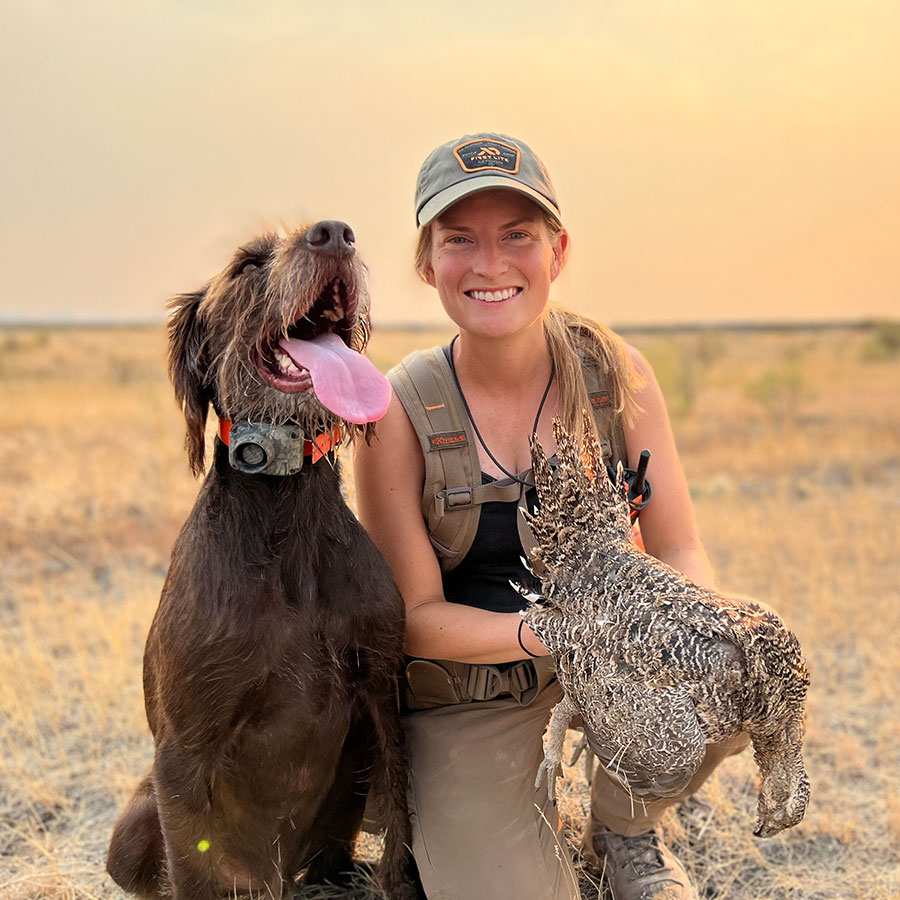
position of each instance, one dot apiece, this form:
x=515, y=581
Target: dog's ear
x=187, y=369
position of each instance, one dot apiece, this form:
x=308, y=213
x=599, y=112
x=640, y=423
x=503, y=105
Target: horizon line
x=812, y=324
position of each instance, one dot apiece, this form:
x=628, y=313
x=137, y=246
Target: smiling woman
x=441, y=496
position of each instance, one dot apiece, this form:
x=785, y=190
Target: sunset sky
x=734, y=160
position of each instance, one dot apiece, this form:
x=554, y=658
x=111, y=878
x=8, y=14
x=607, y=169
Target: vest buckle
x=484, y=682
x=454, y=498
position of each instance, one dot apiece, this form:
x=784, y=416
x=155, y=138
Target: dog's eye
x=249, y=266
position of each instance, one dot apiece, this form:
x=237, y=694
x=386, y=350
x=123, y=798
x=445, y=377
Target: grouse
x=656, y=666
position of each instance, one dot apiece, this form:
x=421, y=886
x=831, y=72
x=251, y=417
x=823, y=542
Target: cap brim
x=442, y=201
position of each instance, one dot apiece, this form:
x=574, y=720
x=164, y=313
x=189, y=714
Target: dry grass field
x=791, y=442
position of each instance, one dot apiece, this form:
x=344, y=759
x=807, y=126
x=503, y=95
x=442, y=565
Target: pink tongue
x=344, y=381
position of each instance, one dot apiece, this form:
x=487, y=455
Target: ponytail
x=573, y=341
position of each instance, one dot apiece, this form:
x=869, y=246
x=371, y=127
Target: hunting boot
x=637, y=868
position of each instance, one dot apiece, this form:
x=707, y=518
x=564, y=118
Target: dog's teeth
x=285, y=363
x=331, y=315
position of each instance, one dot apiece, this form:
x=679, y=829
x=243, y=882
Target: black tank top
x=494, y=559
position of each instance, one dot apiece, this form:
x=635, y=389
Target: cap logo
x=478, y=156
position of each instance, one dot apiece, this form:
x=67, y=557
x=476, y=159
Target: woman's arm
x=667, y=523
x=389, y=476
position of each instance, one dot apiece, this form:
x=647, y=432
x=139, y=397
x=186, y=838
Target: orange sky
x=714, y=161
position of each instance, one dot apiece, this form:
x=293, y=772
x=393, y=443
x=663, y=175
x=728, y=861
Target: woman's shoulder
x=640, y=362
x=394, y=429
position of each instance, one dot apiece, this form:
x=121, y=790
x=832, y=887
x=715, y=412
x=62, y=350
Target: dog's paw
x=405, y=891
x=401, y=881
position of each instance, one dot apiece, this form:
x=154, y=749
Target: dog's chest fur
x=272, y=549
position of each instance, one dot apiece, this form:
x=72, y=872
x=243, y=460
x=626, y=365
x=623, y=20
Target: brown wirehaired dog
x=269, y=670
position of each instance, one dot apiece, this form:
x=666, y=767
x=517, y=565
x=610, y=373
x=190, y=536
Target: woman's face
x=492, y=261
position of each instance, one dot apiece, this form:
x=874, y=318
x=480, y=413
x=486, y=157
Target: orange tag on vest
x=444, y=439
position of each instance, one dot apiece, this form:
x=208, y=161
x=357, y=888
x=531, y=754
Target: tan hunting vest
x=453, y=492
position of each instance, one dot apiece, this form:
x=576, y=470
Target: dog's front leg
x=339, y=817
x=396, y=871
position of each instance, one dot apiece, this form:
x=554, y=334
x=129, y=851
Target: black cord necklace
x=487, y=449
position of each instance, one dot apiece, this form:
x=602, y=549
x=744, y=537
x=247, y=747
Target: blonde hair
x=574, y=341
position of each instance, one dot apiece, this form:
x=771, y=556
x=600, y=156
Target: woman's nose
x=490, y=260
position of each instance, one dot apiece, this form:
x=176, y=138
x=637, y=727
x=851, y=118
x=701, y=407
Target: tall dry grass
x=791, y=442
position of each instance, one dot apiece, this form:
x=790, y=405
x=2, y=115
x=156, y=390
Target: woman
x=491, y=243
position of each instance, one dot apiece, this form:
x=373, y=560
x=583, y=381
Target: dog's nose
x=332, y=237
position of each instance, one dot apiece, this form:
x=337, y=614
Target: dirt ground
x=791, y=444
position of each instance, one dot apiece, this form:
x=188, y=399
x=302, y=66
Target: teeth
x=494, y=296
x=338, y=303
x=285, y=363
x=332, y=315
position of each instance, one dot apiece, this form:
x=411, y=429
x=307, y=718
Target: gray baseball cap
x=478, y=162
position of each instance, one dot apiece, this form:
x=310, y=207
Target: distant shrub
x=884, y=342
x=710, y=346
x=14, y=341
x=780, y=390
x=675, y=371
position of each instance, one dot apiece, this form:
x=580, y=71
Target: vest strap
x=506, y=491
x=424, y=384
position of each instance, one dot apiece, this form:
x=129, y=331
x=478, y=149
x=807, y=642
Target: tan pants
x=480, y=831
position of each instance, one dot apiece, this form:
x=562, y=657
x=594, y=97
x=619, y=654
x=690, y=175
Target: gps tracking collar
x=266, y=449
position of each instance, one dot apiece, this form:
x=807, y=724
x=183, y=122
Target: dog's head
x=260, y=340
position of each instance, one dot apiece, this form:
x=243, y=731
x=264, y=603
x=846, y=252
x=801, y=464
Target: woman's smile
x=495, y=295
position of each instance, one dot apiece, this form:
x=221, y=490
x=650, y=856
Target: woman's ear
x=560, y=249
x=188, y=370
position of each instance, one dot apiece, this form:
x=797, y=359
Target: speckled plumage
x=656, y=665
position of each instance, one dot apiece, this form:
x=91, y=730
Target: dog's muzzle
x=266, y=449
